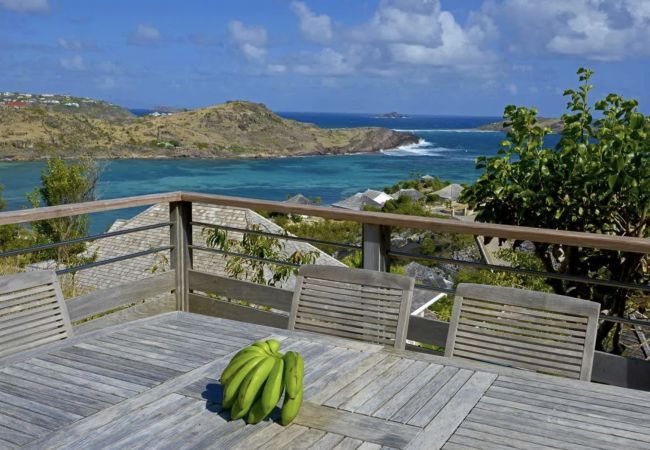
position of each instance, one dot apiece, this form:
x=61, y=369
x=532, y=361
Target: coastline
x=204, y=157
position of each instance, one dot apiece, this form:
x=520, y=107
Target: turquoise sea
x=448, y=148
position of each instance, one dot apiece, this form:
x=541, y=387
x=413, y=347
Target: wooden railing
x=195, y=291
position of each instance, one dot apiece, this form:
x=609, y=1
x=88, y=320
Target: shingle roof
x=413, y=193
x=451, y=192
x=137, y=268
x=299, y=199
x=357, y=202
x=360, y=200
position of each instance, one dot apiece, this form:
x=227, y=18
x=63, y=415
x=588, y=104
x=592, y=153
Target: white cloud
x=403, y=35
x=327, y=62
x=74, y=63
x=145, y=35
x=605, y=30
x=250, y=40
x=106, y=83
x=512, y=88
x=74, y=44
x=253, y=52
x=276, y=69
x=455, y=48
x=314, y=27
x=404, y=22
x=27, y=6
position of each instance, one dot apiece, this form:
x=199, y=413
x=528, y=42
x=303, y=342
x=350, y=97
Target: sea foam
x=422, y=148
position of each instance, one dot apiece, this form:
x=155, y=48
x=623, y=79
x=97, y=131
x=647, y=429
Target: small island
x=34, y=126
x=392, y=115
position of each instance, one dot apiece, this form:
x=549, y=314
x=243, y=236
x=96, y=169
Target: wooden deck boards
x=153, y=384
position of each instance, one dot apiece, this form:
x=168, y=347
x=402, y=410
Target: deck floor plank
x=115, y=430
x=429, y=390
x=327, y=442
x=123, y=388
x=127, y=365
x=51, y=397
x=563, y=432
x=348, y=391
x=408, y=392
x=94, y=367
x=172, y=354
x=516, y=439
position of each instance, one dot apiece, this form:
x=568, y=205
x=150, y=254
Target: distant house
x=451, y=192
x=16, y=104
x=299, y=199
x=414, y=194
x=360, y=200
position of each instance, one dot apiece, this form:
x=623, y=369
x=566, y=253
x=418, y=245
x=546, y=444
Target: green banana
x=290, y=407
x=274, y=345
x=256, y=413
x=273, y=387
x=237, y=412
x=236, y=363
x=232, y=387
x=264, y=346
x=293, y=375
x=253, y=382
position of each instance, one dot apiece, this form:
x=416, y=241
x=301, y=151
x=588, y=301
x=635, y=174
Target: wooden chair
x=524, y=329
x=353, y=303
x=32, y=311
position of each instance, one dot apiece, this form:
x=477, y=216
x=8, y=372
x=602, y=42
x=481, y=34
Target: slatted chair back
x=354, y=303
x=32, y=311
x=524, y=329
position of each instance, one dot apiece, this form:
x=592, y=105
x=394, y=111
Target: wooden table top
x=153, y=384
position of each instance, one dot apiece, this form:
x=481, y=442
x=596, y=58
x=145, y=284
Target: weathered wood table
x=152, y=384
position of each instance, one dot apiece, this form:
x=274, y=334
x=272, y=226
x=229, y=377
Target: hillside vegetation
x=230, y=130
x=554, y=124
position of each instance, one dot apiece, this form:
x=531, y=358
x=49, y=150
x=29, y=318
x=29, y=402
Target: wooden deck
x=152, y=384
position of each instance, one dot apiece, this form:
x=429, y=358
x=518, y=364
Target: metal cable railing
x=435, y=259
x=94, y=237
x=113, y=260
x=288, y=237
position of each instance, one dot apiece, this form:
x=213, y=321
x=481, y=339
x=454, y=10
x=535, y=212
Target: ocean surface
x=448, y=149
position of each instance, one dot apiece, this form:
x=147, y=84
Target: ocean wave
x=422, y=148
x=446, y=130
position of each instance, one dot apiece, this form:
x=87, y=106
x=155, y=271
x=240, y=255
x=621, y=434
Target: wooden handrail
x=572, y=238
x=75, y=209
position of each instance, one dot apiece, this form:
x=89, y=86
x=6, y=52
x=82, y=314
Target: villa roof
x=299, y=199
x=137, y=268
x=451, y=192
x=377, y=196
x=360, y=200
x=413, y=193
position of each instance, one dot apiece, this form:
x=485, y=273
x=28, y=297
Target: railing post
x=180, y=216
x=376, y=244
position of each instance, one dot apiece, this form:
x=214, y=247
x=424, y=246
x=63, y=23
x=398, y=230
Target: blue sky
x=467, y=57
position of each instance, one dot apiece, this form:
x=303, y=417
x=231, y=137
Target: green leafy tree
x=9, y=234
x=267, y=248
x=63, y=183
x=596, y=180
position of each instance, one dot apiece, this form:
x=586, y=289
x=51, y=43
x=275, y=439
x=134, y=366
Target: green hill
x=230, y=130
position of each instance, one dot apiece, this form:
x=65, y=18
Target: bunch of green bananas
x=254, y=381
